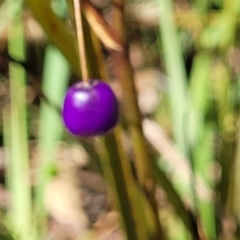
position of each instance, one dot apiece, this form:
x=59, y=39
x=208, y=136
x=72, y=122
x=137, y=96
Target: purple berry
x=90, y=109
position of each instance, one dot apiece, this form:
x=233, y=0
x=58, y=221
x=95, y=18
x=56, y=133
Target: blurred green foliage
x=195, y=47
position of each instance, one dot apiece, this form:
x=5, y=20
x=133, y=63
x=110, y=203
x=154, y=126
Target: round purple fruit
x=90, y=109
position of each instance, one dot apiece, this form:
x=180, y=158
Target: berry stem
x=80, y=40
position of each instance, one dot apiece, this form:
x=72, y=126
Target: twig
x=80, y=38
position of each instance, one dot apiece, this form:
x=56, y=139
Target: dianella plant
x=149, y=89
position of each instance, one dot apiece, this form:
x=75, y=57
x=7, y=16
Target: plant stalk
x=118, y=173
x=20, y=214
x=133, y=118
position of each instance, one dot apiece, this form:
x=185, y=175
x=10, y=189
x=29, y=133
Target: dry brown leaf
x=102, y=29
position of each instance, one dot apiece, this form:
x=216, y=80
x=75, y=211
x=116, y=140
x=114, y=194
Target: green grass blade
x=200, y=94
x=201, y=136
x=20, y=188
x=200, y=80
x=221, y=89
x=203, y=160
x=177, y=79
x=55, y=81
x=175, y=70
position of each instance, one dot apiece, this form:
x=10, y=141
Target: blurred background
x=185, y=61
